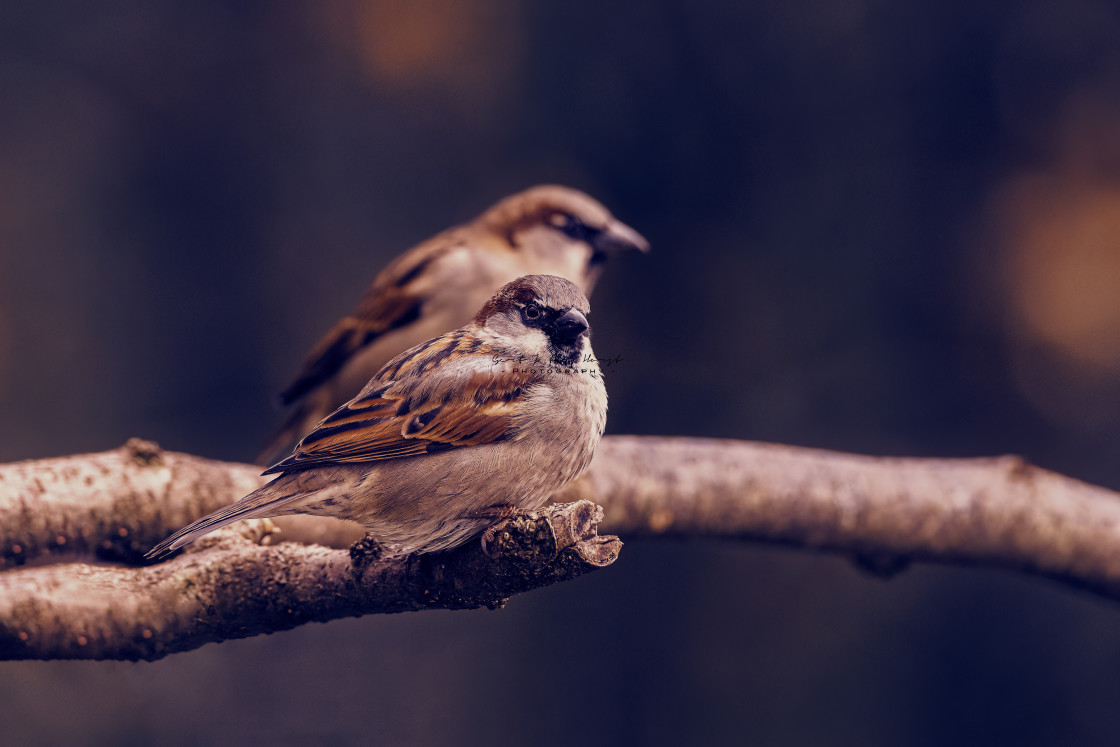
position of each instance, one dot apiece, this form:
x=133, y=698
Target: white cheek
x=535, y=344
x=531, y=346
x=525, y=345
x=547, y=251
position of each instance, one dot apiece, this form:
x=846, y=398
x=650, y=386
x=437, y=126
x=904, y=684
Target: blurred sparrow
x=439, y=284
x=453, y=433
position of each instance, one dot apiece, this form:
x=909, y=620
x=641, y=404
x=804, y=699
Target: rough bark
x=885, y=512
x=231, y=586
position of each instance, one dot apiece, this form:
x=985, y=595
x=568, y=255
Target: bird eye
x=560, y=220
x=531, y=311
x=571, y=226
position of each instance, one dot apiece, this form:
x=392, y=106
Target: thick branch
x=998, y=511
x=233, y=587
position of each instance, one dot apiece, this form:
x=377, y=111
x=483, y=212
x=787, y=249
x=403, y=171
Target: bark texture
x=231, y=586
x=885, y=512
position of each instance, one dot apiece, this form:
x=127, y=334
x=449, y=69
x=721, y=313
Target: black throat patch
x=564, y=352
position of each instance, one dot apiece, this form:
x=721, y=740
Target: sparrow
x=451, y=434
x=439, y=284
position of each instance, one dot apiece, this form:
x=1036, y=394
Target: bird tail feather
x=262, y=502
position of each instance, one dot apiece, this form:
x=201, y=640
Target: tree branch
x=886, y=512
x=998, y=511
x=233, y=587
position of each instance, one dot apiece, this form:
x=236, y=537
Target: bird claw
x=488, y=537
x=498, y=513
x=268, y=529
x=365, y=551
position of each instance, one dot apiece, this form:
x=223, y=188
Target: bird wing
x=433, y=397
x=394, y=300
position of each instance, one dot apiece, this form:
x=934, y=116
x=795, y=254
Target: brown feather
x=392, y=301
x=394, y=417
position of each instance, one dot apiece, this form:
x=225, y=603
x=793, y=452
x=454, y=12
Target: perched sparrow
x=438, y=285
x=452, y=433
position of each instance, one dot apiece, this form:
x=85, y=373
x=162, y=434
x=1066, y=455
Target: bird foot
x=268, y=531
x=497, y=513
x=365, y=551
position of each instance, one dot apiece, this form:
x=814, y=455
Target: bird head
x=563, y=231
x=543, y=317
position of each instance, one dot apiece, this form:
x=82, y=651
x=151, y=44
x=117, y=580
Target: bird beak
x=619, y=237
x=571, y=324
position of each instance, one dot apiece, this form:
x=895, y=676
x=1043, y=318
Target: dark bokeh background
x=879, y=227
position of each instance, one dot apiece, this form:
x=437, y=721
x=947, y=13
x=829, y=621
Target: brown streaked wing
x=390, y=303
x=388, y=423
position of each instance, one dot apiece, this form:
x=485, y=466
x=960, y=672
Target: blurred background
x=878, y=227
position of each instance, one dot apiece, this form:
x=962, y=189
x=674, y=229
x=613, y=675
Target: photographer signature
x=536, y=360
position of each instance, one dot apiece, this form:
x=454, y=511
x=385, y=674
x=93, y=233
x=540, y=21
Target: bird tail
x=260, y=503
